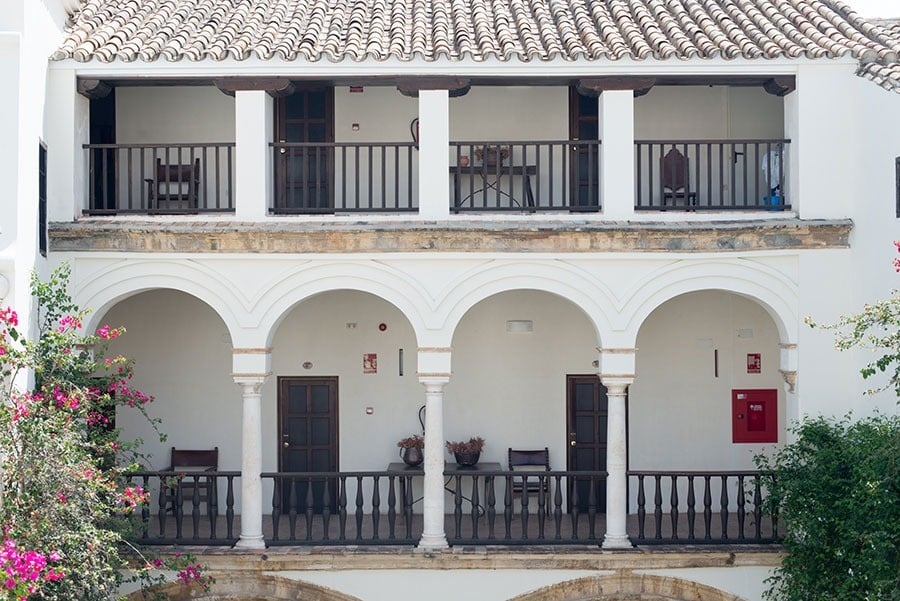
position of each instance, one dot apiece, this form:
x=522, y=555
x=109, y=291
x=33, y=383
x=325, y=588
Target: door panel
x=308, y=427
x=584, y=174
x=587, y=407
x=305, y=173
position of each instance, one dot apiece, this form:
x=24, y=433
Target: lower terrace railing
x=160, y=178
x=547, y=175
x=482, y=508
x=714, y=175
x=320, y=177
x=702, y=508
x=206, y=516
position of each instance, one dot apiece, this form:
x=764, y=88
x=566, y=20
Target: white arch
x=307, y=280
x=126, y=278
x=559, y=278
x=771, y=289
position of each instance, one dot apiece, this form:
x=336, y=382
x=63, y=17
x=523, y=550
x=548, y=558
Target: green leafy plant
x=838, y=492
x=65, y=507
x=876, y=328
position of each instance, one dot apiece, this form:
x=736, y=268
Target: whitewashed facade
x=663, y=306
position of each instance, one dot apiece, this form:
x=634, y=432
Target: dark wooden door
x=308, y=439
x=586, y=421
x=103, y=165
x=584, y=170
x=305, y=173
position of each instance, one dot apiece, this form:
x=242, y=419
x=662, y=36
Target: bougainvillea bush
x=65, y=508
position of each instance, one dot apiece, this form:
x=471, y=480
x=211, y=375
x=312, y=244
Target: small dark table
x=450, y=469
x=489, y=177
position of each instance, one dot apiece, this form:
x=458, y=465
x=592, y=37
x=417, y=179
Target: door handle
x=572, y=443
x=285, y=444
x=282, y=149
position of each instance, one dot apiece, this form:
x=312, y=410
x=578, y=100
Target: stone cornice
x=128, y=235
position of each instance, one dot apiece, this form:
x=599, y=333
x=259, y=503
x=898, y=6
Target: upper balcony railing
x=485, y=176
x=711, y=175
x=319, y=177
x=546, y=175
x=160, y=178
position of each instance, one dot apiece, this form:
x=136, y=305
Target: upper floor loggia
x=434, y=147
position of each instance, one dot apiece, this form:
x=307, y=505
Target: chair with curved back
x=531, y=463
x=675, y=179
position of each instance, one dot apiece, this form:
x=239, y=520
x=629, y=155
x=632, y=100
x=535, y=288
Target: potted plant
x=411, y=449
x=466, y=452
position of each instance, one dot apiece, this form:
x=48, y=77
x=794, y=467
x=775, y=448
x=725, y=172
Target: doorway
x=308, y=441
x=584, y=168
x=586, y=416
x=304, y=173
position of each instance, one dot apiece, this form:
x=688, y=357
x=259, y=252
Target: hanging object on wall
x=400, y=361
x=754, y=363
x=382, y=327
x=370, y=363
x=414, y=131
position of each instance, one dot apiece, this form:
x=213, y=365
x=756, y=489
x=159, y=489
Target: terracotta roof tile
x=525, y=30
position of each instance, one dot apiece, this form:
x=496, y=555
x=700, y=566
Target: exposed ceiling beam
x=596, y=85
x=456, y=86
x=93, y=88
x=780, y=86
x=277, y=87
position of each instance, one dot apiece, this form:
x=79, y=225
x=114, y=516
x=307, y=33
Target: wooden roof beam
x=455, y=86
x=277, y=87
x=596, y=85
x=93, y=89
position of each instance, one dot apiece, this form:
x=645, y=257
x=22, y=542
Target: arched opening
x=693, y=351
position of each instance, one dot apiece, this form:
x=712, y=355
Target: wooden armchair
x=175, y=187
x=187, y=463
x=531, y=462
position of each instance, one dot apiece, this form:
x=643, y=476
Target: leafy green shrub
x=65, y=507
x=838, y=490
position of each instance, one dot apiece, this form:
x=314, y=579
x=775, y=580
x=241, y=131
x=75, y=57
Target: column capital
x=617, y=383
x=251, y=381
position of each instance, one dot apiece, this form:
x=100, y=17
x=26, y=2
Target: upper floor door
x=584, y=170
x=305, y=172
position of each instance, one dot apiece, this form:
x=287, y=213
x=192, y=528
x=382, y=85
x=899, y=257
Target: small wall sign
x=754, y=363
x=370, y=363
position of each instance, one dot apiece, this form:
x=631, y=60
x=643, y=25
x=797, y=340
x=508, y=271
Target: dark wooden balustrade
x=173, y=517
x=497, y=508
x=717, y=175
x=702, y=508
x=319, y=177
x=160, y=178
x=530, y=176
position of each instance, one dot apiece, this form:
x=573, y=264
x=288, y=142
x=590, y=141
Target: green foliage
x=876, y=328
x=838, y=491
x=62, y=491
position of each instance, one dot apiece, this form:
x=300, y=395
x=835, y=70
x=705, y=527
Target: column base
x=433, y=542
x=251, y=542
x=616, y=542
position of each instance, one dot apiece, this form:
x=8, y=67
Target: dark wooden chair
x=530, y=463
x=187, y=464
x=175, y=187
x=675, y=179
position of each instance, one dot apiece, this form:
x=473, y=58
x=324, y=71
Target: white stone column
x=433, y=536
x=253, y=131
x=616, y=464
x=434, y=153
x=251, y=462
x=616, y=118
x=788, y=370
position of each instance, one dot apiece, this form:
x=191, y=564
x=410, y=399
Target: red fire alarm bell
x=754, y=415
